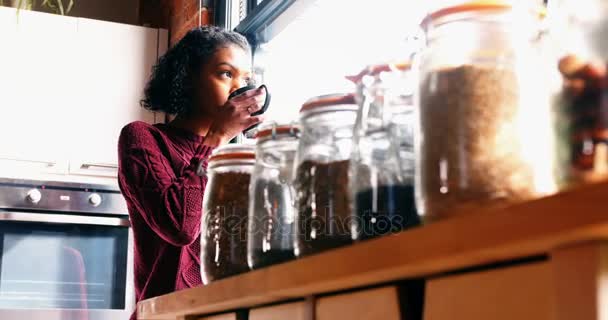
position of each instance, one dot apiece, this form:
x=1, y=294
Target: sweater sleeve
x=170, y=204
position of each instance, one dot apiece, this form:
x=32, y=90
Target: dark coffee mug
x=252, y=87
x=259, y=112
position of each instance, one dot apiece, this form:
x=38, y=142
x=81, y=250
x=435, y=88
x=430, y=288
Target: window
x=233, y=12
x=305, y=48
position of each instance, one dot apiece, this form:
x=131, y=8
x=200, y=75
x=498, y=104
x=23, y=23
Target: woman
x=158, y=163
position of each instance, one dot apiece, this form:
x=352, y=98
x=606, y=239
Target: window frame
x=258, y=16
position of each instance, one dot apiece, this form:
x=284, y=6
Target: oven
x=66, y=252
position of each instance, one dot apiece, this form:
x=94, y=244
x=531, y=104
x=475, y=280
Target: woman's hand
x=235, y=116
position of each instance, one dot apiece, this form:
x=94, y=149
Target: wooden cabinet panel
x=373, y=304
x=581, y=279
x=302, y=310
x=519, y=292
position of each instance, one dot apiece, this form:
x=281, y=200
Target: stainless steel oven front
x=66, y=252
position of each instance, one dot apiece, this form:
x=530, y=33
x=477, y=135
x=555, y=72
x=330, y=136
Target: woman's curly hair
x=171, y=86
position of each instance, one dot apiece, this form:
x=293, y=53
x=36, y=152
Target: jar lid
x=337, y=102
x=233, y=152
x=389, y=67
x=477, y=6
x=273, y=129
x=375, y=70
x=480, y=5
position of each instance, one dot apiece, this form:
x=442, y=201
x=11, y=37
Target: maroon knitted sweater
x=164, y=195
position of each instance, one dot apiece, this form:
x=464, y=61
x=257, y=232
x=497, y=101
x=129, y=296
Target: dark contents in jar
x=585, y=93
x=225, y=245
x=472, y=152
x=264, y=259
x=323, y=206
x=385, y=210
x=272, y=225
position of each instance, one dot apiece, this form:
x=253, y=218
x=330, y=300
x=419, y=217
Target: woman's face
x=227, y=70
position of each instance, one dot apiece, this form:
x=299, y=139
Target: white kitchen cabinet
x=114, y=63
x=8, y=20
x=67, y=87
x=8, y=53
x=36, y=77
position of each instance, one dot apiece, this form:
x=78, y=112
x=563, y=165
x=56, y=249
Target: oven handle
x=62, y=219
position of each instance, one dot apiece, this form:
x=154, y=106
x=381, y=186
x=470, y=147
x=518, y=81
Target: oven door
x=64, y=266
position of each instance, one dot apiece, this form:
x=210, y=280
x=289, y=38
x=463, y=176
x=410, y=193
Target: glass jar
x=579, y=32
x=382, y=162
x=321, y=177
x=400, y=84
x=391, y=85
x=272, y=208
x=225, y=209
x=484, y=132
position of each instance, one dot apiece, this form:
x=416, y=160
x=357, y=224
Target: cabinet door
x=226, y=316
x=373, y=304
x=302, y=310
x=520, y=292
x=114, y=64
x=36, y=63
x=11, y=112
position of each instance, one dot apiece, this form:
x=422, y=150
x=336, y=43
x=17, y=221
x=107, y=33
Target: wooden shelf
x=493, y=235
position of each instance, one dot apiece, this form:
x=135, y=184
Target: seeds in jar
x=384, y=210
x=224, y=238
x=323, y=217
x=471, y=152
x=268, y=258
x=271, y=228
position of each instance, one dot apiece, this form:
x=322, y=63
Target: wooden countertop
x=492, y=235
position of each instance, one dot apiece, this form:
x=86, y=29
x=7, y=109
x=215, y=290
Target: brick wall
x=178, y=16
x=185, y=16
